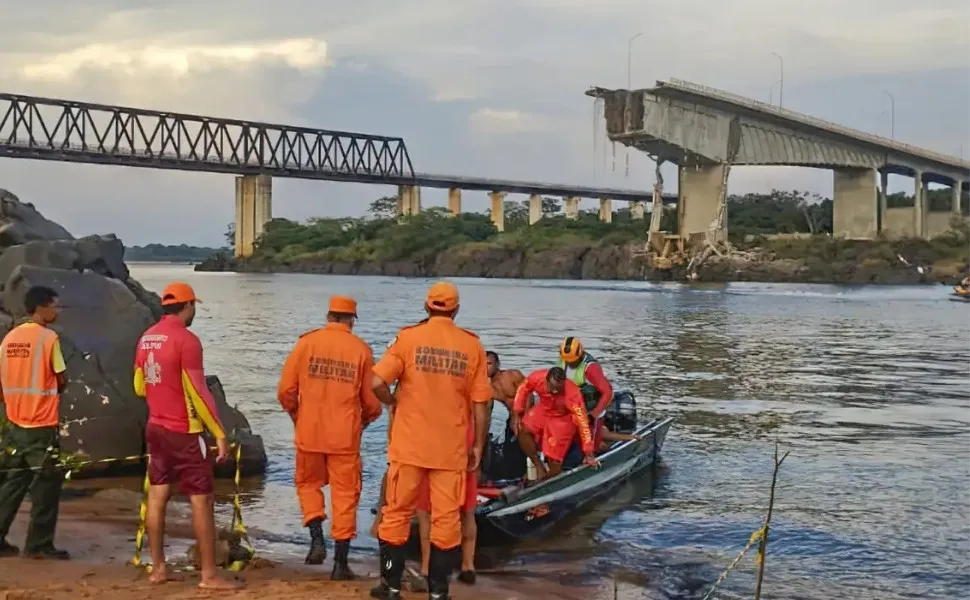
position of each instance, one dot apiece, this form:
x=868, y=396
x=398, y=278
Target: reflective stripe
x=35, y=368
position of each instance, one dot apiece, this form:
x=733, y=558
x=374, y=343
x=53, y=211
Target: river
x=868, y=387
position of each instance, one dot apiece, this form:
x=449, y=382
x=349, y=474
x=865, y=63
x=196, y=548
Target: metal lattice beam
x=62, y=130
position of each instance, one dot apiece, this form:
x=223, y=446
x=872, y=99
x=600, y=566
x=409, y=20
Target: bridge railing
x=900, y=147
x=56, y=129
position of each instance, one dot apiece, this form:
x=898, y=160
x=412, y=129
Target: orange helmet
x=571, y=349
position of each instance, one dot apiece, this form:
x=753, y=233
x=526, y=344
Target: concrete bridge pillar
x=408, y=200
x=938, y=223
x=606, y=210
x=854, y=204
x=454, y=201
x=637, y=210
x=571, y=205
x=919, y=208
x=535, y=208
x=699, y=192
x=498, y=209
x=883, y=200
x=254, y=209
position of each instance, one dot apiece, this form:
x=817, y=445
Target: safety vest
x=27, y=376
x=578, y=376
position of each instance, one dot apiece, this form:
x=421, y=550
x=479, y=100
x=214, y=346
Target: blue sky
x=488, y=88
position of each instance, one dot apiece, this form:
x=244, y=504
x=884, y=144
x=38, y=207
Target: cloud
x=477, y=87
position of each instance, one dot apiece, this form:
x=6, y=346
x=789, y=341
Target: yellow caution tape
x=140, y=536
x=754, y=539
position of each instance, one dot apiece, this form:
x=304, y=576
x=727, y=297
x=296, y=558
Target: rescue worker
x=585, y=371
x=442, y=385
x=32, y=377
x=326, y=389
x=554, y=420
x=170, y=375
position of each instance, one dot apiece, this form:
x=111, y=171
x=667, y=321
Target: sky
x=491, y=88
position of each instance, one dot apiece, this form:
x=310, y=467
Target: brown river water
x=869, y=387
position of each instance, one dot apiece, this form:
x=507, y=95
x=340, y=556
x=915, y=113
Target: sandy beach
x=98, y=530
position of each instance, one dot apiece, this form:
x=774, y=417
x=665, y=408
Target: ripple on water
x=868, y=386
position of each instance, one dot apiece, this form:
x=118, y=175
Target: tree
x=551, y=206
x=384, y=207
x=230, y=236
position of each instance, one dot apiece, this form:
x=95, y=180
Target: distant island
x=169, y=253
x=783, y=236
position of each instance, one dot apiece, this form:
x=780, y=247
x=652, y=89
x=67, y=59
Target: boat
x=514, y=510
x=517, y=512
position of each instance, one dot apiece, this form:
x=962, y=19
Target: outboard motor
x=621, y=414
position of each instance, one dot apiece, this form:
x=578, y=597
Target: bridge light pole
x=781, y=91
x=629, y=59
x=892, y=116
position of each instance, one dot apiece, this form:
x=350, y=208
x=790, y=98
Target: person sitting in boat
x=585, y=371
x=554, y=420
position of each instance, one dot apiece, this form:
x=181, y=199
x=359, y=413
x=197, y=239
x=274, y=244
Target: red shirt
x=169, y=375
x=568, y=404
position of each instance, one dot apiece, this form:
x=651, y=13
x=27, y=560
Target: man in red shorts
x=469, y=529
x=553, y=420
x=169, y=375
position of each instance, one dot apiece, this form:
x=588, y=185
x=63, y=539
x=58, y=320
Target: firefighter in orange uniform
x=326, y=388
x=442, y=389
x=32, y=376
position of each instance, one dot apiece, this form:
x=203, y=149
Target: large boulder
x=105, y=312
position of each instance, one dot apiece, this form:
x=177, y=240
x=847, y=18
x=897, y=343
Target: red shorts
x=181, y=458
x=553, y=432
x=471, y=495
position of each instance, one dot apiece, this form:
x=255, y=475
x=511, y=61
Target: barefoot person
x=32, y=374
x=170, y=376
x=326, y=389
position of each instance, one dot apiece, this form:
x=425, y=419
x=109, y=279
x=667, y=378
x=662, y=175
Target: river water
x=868, y=387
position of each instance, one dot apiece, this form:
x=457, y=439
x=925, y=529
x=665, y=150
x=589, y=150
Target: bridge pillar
x=606, y=210
x=854, y=203
x=636, y=210
x=883, y=199
x=254, y=209
x=919, y=205
x=498, y=209
x=535, y=208
x=408, y=200
x=699, y=192
x=938, y=223
x=571, y=205
x=454, y=201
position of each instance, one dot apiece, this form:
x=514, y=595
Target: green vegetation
x=752, y=221
x=162, y=253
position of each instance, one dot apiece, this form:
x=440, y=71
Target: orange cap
x=442, y=296
x=343, y=305
x=177, y=293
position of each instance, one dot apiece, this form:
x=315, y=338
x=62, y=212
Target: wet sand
x=98, y=530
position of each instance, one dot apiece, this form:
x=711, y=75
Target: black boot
x=7, y=549
x=341, y=570
x=441, y=564
x=318, y=548
x=392, y=567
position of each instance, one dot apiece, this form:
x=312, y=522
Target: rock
x=105, y=312
x=20, y=223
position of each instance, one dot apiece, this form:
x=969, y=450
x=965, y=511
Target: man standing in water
x=32, y=376
x=326, y=389
x=170, y=376
x=442, y=387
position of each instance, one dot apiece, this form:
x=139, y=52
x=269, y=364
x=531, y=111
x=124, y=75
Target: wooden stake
x=763, y=546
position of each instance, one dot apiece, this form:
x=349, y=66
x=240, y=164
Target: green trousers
x=29, y=452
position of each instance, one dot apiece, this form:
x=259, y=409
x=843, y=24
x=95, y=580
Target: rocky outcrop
x=105, y=312
x=867, y=263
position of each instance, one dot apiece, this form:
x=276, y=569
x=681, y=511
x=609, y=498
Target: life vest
x=27, y=376
x=591, y=395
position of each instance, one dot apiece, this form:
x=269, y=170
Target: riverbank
x=796, y=260
x=97, y=527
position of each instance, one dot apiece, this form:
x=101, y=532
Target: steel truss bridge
x=81, y=132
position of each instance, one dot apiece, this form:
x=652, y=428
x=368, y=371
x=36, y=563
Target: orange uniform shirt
x=440, y=369
x=30, y=361
x=326, y=383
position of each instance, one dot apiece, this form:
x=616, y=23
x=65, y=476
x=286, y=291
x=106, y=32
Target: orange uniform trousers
x=342, y=472
x=447, y=494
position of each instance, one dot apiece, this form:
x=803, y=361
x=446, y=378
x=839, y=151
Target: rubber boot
x=392, y=568
x=318, y=547
x=341, y=570
x=441, y=564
